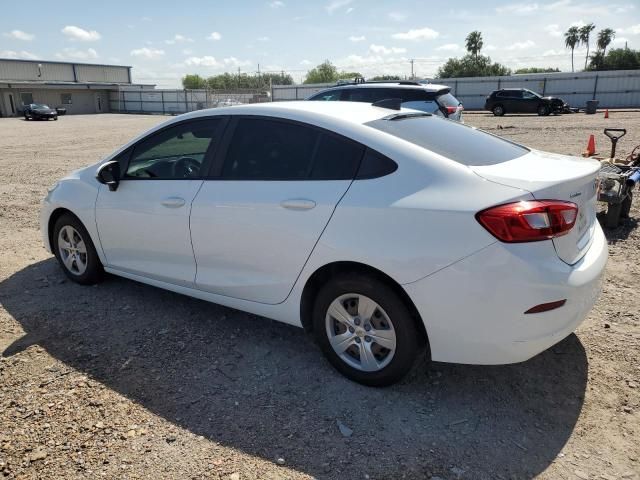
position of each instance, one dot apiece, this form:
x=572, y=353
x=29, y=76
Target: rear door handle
x=298, y=204
x=173, y=202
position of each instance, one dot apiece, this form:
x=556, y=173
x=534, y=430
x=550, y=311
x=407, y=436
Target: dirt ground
x=124, y=380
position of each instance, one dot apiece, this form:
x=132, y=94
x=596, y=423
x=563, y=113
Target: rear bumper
x=474, y=310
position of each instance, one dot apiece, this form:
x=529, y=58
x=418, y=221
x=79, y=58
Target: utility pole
x=411, y=61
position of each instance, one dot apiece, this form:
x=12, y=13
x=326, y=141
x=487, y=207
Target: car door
x=515, y=102
x=530, y=102
x=144, y=224
x=272, y=191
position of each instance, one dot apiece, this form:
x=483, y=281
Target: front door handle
x=173, y=202
x=298, y=204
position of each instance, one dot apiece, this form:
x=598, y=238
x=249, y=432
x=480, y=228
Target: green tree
x=193, y=82
x=605, y=37
x=471, y=66
x=385, y=78
x=571, y=41
x=585, y=33
x=537, y=70
x=228, y=81
x=474, y=43
x=326, y=72
x=616, y=59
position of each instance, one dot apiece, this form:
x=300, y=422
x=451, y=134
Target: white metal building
x=78, y=87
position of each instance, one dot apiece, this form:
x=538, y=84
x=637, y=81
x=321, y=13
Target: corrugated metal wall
x=12, y=70
x=62, y=72
x=615, y=89
x=99, y=73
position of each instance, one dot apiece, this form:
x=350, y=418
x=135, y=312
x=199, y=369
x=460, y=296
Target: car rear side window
x=453, y=140
x=448, y=100
x=328, y=96
x=263, y=149
x=336, y=158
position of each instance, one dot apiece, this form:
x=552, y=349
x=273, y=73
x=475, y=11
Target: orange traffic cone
x=591, y=147
x=606, y=113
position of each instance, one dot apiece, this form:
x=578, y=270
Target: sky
x=163, y=41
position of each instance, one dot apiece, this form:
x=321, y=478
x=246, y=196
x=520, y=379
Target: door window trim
x=206, y=162
x=215, y=169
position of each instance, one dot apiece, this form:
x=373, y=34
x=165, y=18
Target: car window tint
x=174, y=153
x=448, y=100
x=330, y=96
x=453, y=140
x=412, y=95
x=515, y=94
x=263, y=149
x=375, y=165
x=336, y=158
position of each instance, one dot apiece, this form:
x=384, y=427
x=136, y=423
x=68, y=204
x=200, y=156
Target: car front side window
x=176, y=152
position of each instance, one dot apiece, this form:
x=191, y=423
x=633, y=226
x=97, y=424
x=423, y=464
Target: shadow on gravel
x=621, y=232
x=264, y=388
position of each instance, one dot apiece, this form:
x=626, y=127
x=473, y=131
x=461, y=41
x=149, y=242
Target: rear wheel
x=498, y=110
x=543, y=110
x=75, y=251
x=365, y=330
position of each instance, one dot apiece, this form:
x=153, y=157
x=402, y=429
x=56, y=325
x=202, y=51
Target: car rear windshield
x=448, y=100
x=452, y=140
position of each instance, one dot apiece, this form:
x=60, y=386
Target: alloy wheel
x=72, y=249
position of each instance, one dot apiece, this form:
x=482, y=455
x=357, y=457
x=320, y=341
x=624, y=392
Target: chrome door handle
x=298, y=204
x=173, y=202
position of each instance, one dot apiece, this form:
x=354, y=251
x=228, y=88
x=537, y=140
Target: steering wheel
x=186, y=167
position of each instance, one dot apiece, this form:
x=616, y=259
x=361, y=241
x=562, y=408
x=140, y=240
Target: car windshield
x=39, y=105
x=453, y=140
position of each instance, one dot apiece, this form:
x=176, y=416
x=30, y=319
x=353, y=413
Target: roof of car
x=430, y=87
x=352, y=112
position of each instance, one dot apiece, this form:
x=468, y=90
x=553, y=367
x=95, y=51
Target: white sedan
x=385, y=232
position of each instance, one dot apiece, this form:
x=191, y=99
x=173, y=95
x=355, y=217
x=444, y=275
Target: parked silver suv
x=426, y=97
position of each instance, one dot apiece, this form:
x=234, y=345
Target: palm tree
x=571, y=40
x=474, y=43
x=605, y=37
x=585, y=31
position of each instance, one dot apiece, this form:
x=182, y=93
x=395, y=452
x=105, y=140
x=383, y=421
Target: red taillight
x=451, y=110
x=529, y=221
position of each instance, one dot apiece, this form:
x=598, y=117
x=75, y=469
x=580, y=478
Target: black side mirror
x=109, y=174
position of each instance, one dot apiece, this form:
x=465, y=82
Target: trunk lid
x=549, y=176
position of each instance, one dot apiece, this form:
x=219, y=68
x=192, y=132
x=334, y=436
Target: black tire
x=94, y=273
x=613, y=215
x=26, y=117
x=55, y=118
x=498, y=110
x=543, y=110
x=407, y=335
x=626, y=206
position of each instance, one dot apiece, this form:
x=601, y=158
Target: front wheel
x=365, y=330
x=543, y=110
x=75, y=251
x=498, y=110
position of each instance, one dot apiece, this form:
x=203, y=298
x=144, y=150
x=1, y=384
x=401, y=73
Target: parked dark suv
x=521, y=100
x=426, y=97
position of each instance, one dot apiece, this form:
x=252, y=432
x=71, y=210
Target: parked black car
x=521, y=100
x=39, y=111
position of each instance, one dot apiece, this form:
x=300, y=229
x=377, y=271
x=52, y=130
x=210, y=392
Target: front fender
x=76, y=193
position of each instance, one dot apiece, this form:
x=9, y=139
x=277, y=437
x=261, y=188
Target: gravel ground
x=123, y=380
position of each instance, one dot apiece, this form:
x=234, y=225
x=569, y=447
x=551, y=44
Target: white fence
x=175, y=102
x=614, y=89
